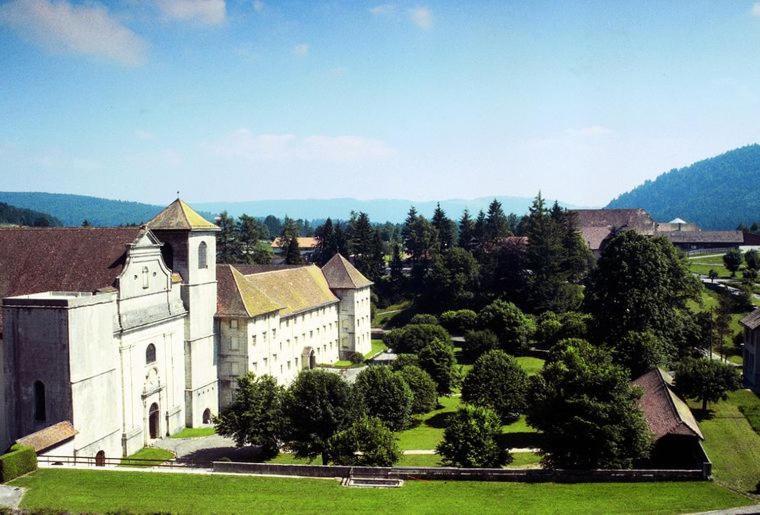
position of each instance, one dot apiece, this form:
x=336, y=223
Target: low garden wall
x=19, y=461
x=474, y=474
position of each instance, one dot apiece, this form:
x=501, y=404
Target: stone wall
x=457, y=474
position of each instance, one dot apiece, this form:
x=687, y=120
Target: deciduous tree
x=471, y=439
x=496, y=381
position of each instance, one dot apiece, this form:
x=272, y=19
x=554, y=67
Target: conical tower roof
x=178, y=216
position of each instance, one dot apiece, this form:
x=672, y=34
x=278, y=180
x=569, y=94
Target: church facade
x=131, y=334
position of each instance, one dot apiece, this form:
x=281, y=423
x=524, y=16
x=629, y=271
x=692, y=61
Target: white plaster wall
x=355, y=320
x=95, y=380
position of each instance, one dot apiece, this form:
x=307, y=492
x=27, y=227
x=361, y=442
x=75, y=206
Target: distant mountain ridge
x=13, y=215
x=73, y=209
x=379, y=210
x=717, y=193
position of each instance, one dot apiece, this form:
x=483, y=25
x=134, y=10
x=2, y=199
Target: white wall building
x=125, y=335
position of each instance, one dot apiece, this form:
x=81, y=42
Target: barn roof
x=665, y=413
x=178, y=216
x=34, y=260
x=341, y=274
x=752, y=321
x=636, y=219
x=304, y=242
x=731, y=237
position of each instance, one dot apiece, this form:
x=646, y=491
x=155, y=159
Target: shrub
x=412, y=338
x=404, y=360
x=366, y=442
x=19, y=461
x=497, y=382
x=573, y=325
x=437, y=359
x=383, y=394
x=513, y=327
x=471, y=439
x=478, y=342
x=548, y=327
x=355, y=357
x=423, y=388
x=459, y=321
x=423, y=318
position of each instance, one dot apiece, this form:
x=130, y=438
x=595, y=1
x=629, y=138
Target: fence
x=473, y=474
x=97, y=461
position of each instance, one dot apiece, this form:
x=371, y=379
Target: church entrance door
x=153, y=420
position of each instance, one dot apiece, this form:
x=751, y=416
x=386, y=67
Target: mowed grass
x=62, y=490
x=378, y=347
x=194, y=432
x=530, y=364
x=731, y=443
x=146, y=453
x=749, y=405
x=703, y=264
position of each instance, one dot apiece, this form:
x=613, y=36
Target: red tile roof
x=34, y=260
x=665, y=413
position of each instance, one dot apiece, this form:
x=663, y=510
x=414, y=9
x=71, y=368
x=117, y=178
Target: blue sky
x=244, y=100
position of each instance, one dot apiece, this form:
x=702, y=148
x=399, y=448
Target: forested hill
x=19, y=216
x=72, y=210
x=717, y=193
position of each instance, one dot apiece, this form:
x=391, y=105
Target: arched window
x=202, y=251
x=150, y=354
x=146, y=277
x=207, y=416
x=40, y=414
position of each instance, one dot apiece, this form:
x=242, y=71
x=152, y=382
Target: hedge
x=19, y=461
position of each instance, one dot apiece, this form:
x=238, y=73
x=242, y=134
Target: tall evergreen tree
x=289, y=241
x=445, y=229
x=227, y=243
x=326, y=243
x=479, y=231
x=466, y=230
x=397, y=263
x=251, y=233
x=497, y=225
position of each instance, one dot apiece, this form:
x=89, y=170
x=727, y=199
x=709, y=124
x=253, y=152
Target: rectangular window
x=274, y=333
x=233, y=323
x=234, y=344
x=253, y=339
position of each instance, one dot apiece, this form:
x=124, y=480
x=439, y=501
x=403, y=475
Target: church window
x=40, y=414
x=150, y=354
x=202, y=255
x=146, y=277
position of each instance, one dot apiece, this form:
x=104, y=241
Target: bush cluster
x=19, y=461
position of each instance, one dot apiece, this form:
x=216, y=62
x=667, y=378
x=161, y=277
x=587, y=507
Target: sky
x=231, y=100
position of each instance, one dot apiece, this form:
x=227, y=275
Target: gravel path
x=207, y=448
x=10, y=497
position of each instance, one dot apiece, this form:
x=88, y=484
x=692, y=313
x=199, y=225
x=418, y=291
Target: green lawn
x=419, y=460
x=524, y=459
x=61, y=490
x=384, y=316
x=703, y=264
x=709, y=302
x=749, y=405
x=429, y=431
x=147, y=453
x=530, y=364
x=731, y=443
x=194, y=432
x=378, y=347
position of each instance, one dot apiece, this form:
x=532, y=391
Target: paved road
x=207, y=448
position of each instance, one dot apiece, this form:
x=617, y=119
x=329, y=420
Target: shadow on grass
x=520, y=440
x=439, y=421
x=701, y=414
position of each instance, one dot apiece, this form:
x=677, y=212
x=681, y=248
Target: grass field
x=377, y=347
x=749, y=405
x=384, y=316
x=147, y=453
x=106, y=491
x=530, y=364
x=731, y=443
x=703, y=264
x=709, y=302
x=194, y=432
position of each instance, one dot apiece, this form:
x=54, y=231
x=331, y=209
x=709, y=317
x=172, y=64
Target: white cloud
x=301, y=50
x=207, y=12
x=755, y=9
x=77, y=29
x=258, y=6
x=590, y=131
x=245, y=145
x=422, y=17
x=382, y=9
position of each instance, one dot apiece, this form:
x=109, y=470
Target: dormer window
x=202, y=255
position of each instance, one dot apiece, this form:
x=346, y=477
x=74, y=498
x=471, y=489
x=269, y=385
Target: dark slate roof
x=49, y=437
x=34, y=260
x=636, y=219
x=665, y=413
x=731, y=237
x=752, y=321
x=341, y=274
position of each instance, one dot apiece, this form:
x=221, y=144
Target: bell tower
x=190, y=251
